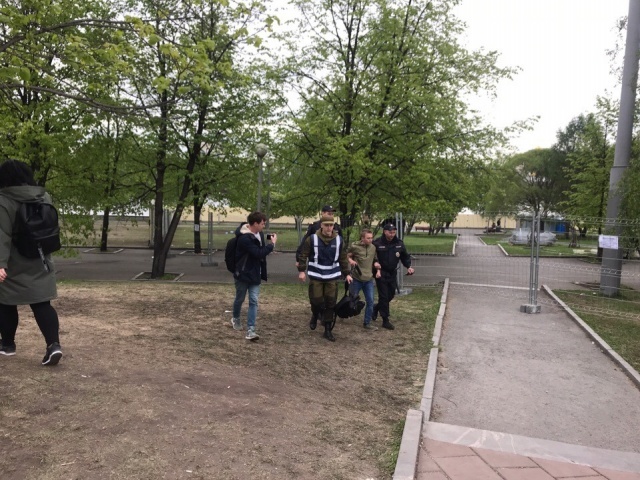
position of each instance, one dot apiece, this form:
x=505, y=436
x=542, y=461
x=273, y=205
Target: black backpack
x=230, y=254
x=36, y=232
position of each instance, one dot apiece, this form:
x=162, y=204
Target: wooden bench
x=422, y=229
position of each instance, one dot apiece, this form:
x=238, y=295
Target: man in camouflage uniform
x=324, y=258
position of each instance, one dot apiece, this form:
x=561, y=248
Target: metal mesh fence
x=571, y=258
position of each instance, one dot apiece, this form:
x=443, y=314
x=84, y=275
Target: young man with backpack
x=26, y=270
x=250, y=269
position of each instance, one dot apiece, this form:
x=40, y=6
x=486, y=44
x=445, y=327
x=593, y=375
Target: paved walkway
x=523, y=396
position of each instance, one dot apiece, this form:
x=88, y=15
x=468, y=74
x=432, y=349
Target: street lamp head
x=269, y=161
x=261, y=150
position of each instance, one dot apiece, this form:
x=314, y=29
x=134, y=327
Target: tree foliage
x=383, y=117
x=589, y=165
x=533, y=181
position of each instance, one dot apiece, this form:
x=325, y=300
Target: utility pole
x=611, y=270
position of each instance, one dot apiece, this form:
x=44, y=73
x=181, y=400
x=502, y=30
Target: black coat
x=390, y=253
x=251, y=256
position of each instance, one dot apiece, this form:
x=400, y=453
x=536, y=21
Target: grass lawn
x=586, y=248
x=617, y=320
x=130, y=234
x=425, y=243
x=557, y=250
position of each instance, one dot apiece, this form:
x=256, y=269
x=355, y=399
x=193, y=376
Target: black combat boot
x=315, y=313
x=387, y=324
x=327, y=333
x=328, y=326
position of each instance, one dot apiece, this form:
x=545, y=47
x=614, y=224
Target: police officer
x=389, y=250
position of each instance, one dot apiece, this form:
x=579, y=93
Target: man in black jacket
x=251, y=262
x=390, y=250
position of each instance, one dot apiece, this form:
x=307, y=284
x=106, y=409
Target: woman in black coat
x=24, y=281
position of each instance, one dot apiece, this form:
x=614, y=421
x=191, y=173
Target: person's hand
x=274, y=238
x=352, y=262
x=410, y=271
x=3, y=275
x=349, y=279
x=377, y=265
x=378, y=274
x=302, y=276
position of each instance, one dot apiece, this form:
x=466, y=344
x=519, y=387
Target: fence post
x=399, y=276
x=209, y=262
x=532, y=306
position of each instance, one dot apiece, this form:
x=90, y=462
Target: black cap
x=389, y=226
x=328, y=208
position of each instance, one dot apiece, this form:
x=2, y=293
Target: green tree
x=56, y=57
x=382, y=86
x=187, y=58
x=589, y=166
x=532, y=181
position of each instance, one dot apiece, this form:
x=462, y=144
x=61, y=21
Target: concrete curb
x=631, y=372
x=407, y=462
x=409, y=448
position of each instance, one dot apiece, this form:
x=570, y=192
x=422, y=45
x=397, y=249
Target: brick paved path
x=447, y=461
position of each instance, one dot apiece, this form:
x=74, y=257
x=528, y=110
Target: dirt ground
x=155, y=384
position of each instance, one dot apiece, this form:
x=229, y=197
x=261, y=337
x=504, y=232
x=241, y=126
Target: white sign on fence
x=608, y=241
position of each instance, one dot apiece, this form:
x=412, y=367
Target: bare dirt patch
x=155, y=384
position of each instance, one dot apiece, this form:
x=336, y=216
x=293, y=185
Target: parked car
x=522, y=237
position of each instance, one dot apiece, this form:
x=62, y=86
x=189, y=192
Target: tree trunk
x=298, y=219
x=197, y=236
x=105, y=230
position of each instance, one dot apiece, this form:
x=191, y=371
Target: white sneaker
x=251, y=334
x=236, y=323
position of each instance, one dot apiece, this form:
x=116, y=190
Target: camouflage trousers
x=323, y=297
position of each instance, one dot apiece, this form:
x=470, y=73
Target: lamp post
x=261, y=151
x=269, y=164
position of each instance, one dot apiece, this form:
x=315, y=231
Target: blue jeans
x=241, y=293
x=367, y=288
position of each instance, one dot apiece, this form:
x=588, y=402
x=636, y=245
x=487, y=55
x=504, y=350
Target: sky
x=560, y=46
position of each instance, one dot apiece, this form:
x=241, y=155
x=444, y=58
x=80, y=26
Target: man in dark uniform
x=389, y=250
